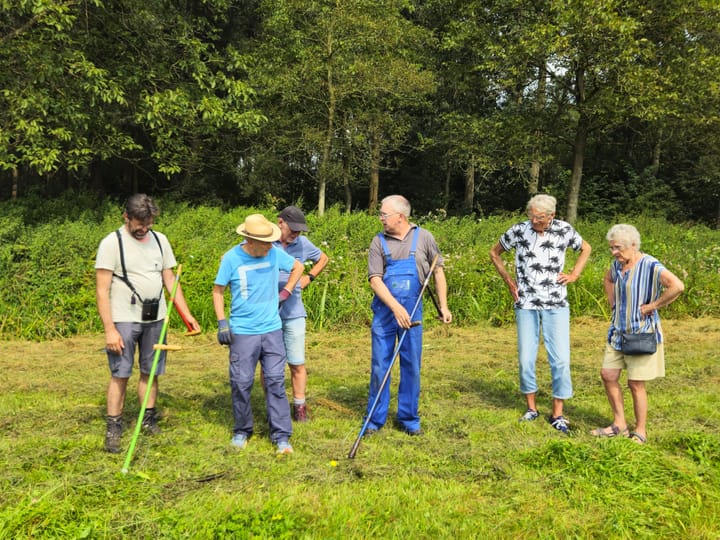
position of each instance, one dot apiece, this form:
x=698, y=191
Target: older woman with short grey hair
x=636, y=286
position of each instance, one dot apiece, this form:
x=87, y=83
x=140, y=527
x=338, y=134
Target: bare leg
x=640, y=404
x=531, y=404
x=116, y=396
x=298, y=375
x=142, y=388
x=557, y=407
x=611, y=378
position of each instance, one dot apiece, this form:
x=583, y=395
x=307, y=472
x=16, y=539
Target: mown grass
x=476, y=473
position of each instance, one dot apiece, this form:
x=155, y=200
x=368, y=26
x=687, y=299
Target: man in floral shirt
x=539, y=291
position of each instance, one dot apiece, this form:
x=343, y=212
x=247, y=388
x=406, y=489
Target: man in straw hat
x=254, y=331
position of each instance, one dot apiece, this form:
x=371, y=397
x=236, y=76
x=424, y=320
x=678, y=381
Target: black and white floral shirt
x=539, y=258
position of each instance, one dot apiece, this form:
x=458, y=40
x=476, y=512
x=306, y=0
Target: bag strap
x=124, y=277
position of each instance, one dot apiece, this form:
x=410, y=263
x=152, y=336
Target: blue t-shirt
x=253, y=288
x=302, y=250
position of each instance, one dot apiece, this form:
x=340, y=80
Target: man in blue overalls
x=399, y=260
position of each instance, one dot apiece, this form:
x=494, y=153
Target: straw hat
x=257, y=227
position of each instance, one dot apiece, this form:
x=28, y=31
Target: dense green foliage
x=475, y=474
x=47, y=253
x=613, y=106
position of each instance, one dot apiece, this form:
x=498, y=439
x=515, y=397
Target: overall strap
x=413, y=246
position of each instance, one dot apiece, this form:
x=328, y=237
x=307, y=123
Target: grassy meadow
x=476, y=473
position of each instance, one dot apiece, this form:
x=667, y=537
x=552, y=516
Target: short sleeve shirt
x=254, y=289
x=303, y=250
x=144, y=262
x=539, y=258
x=400, y=249
x=637, y=286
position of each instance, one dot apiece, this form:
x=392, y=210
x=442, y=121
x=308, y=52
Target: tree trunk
x=446, y=191
x=469, y=198
x=373, y=197
x=14, y=192
x=346, y=181
x=327, y=145
x=655, y=167
x=534, y=182
x=581, y=134
x=578, y=158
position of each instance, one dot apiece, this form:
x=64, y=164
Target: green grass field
x=476, y=473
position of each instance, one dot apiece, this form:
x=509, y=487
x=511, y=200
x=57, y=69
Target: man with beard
x=133, y=265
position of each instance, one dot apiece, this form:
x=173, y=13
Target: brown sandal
x=614, y=432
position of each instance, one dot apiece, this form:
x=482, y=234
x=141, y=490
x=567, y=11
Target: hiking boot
x=283, y=447
x=414, y=432
x=150, y=422
x=559, y=423
x=113, y=434
x=529, y=416
x=300, y=413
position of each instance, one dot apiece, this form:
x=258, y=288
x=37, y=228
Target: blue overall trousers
x=402, y=279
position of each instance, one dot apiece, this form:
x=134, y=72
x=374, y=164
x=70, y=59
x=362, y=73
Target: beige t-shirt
x=144, y=262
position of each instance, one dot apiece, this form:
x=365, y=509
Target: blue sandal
x=636, y=437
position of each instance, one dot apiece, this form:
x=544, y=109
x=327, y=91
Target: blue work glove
x=223, y=336
x=284, y=295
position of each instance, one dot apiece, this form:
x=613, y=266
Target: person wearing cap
x=292, y=312
x=254, y=329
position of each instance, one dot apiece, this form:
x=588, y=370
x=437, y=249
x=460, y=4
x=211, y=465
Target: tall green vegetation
x=47, y=253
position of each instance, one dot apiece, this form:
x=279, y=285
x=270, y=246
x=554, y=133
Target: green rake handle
x=156, y=358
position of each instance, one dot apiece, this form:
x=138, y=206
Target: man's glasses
x=384, y=215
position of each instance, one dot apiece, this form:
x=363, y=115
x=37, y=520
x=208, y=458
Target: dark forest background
x=465, y=106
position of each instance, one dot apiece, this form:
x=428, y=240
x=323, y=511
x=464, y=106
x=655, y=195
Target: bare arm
x=672, y=288
x=582, y=260
x=318, y=267
x=496, y=258
x=609, y=287
x=180, y=304
x=113, y=339
x=219, y=301
x=295, y=275
x=441, y=288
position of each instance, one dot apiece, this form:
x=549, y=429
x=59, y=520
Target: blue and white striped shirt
x=637, y=286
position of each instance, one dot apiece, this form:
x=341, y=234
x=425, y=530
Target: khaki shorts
x=643, y=367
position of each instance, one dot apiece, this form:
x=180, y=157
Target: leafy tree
x=339, y=80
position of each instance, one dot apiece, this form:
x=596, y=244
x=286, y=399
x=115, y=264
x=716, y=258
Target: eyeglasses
x=539, y=217
x=384, y=215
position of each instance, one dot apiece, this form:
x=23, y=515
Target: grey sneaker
x=239, y=440
x=559, y=423
x=150, y=422
x=283, y=447
x=529, y=416
x=113, y=434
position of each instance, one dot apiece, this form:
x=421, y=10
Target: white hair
x=399, y=204
x=542, y=203
x=625, y=234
